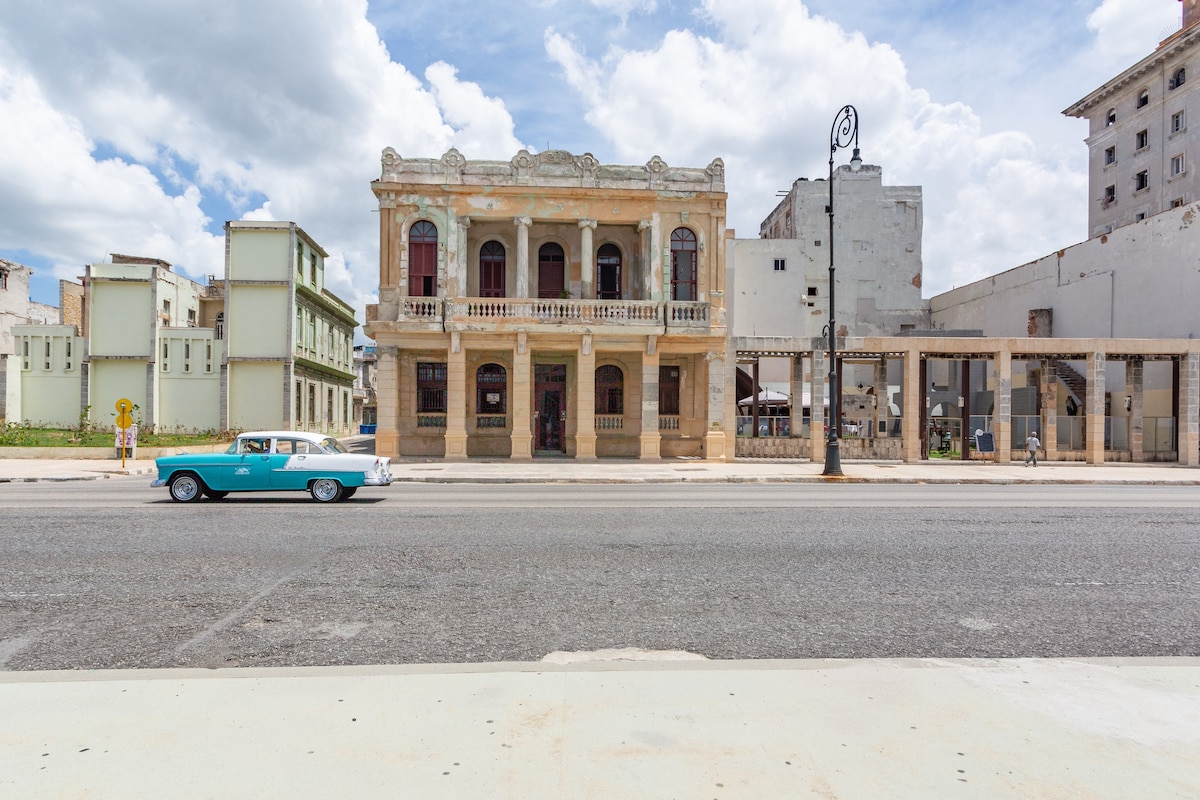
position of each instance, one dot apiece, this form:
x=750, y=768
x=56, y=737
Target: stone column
x=587, y=260
x=1188, y=423
x=1094, y=408
x=1002, y=411
x=387, y=394
x=816, y=427
x=457, y=285
x=650, y=436
x=522, y=224
x=1134, y=387
x=585, y=401
x=881, y=400
x=520, y=394
x=796, y=393
x=910, y=427
x=714, y=430
x=456, y=400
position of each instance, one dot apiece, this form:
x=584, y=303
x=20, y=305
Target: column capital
x=587, y=223
x=644, y=224
x=464, y=222
x=522, y=222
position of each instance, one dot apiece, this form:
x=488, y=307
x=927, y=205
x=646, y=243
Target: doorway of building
x=550, y=396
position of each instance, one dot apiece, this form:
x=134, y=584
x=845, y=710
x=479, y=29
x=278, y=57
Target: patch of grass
x=15, y=435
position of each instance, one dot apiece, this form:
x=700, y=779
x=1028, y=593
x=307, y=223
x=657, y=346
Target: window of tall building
x=1177, y=165
x=1141, y=181
x=1177, y=122
x=1141, y=140
x=1110, y=196
x=1110, y=156
x=1178, y=79
x=312, y=268
x=781, y=265
x=1177, y=202
x=1143, y=99
x=1110, y=118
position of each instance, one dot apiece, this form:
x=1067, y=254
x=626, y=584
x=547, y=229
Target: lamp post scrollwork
x=843, y=134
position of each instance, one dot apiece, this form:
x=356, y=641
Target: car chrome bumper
x=377, y=480
x=157, y=483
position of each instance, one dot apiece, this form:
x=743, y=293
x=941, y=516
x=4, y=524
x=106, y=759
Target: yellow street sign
x=124, y=420
x=123, y=405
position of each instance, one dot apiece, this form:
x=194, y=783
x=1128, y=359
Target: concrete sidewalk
x=920, y=729
x=566, y=470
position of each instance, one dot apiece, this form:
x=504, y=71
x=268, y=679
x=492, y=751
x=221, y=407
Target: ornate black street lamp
x=843, y=133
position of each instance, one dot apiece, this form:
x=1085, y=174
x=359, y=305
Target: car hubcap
x=184, y=488
x=325, y=490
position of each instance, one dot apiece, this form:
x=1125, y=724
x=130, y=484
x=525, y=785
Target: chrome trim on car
x=158, y=483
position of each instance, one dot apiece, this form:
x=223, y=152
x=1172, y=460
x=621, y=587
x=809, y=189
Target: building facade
x=1141, y=152
x=289, y=360
x=267, y=347
x=551, y=305
x=17, y=309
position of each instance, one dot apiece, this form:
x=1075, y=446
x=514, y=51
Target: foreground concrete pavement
x=565, y=470
x=1101, y=728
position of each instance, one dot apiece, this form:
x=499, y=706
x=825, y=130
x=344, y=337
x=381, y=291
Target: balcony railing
x=482, y=311
x=547, y=311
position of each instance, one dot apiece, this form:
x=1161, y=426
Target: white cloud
x=281, y=109
x=1127, y=30
x=763, y=96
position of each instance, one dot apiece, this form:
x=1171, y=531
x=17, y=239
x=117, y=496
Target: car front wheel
x=325, y=490
x=185, y=487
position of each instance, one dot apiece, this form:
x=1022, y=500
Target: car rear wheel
x=325, y=490
x=185, y=487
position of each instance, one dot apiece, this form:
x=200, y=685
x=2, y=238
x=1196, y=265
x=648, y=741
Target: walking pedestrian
x=1032, y=444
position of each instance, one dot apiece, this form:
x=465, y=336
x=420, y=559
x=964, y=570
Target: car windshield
x=330, y=445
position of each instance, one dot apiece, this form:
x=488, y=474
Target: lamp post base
x=833, y=458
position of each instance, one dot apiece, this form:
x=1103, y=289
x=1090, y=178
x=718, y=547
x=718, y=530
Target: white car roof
x=305, y=435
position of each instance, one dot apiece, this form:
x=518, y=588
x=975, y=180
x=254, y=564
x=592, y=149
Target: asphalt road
x=110, y=574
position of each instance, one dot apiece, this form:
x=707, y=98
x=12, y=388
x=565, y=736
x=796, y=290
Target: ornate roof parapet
x=550, y=168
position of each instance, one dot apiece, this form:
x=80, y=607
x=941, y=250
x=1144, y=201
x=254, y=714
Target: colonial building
x=16, y=309
x=266, y=347
x=551, y=305
x=1140, y=148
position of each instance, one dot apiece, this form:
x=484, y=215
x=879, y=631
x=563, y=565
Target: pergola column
x=881, y=399
x=1048, y=403
x=816, y=402
x=522, y=224
x=1135, y=376
x=910, y=427
x=1094, y=422
x=1002, y=412
x=1188, y=423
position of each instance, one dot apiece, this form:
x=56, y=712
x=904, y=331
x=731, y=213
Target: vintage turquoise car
x=273, y=461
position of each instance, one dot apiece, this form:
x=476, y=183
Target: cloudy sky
x=141, y=126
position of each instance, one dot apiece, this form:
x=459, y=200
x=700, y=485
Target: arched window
x=683, y=265
x=422, y=259
x=491, y=389
x=610, y=390
x=552, y=263
x=1143, y=99
x=220, y=332
x=1178, y=79
x=491, y=270
x=608, y=269
x=1110, y=118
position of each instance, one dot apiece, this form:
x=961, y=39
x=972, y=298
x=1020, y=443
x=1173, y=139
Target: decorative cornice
x=1170, y=49
x=548, y=168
